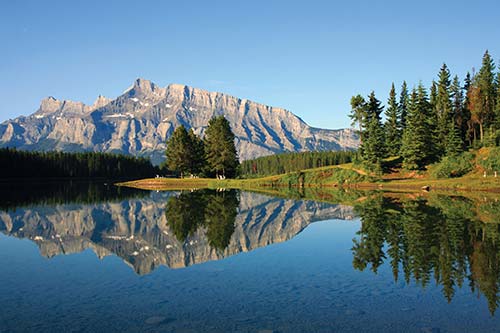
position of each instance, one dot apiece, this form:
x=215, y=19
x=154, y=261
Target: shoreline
x=491, y=185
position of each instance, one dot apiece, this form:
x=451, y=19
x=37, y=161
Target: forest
x=290, y=162
x=54, y=164
x=423, y=126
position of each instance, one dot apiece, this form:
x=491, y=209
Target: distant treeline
x=27, y=164
x=289, y=162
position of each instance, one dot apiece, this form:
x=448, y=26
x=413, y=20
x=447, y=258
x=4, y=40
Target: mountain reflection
x=175, y=229
x=453, y=240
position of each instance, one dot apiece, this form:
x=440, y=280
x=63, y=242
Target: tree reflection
x=216, y=211
x=450, y=239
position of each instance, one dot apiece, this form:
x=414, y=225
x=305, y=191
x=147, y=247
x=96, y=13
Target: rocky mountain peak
x=50, y=105
x=100, y=102
x=145, y=88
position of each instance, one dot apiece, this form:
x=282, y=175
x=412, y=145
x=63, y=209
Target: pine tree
x=373, y=148
x=469, y=133
x=459, y=114
x=197, y=153
x=497, y=105
x=416, y=147
x=442, y=107
x=392, y=125
x=403, y=106
x=179, y=151
x=454, y=143
x=433, y=94
x=220, y=151
x=358, y=114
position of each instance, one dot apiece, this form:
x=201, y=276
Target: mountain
x=141, y=119
x=138, y=230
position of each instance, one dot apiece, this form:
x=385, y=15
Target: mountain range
x=140, y=120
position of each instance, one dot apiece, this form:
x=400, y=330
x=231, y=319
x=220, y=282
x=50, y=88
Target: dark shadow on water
x=452, y=240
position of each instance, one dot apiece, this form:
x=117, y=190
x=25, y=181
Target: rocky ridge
x=141, y=119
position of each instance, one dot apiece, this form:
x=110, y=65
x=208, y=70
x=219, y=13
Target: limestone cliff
x=141, y=119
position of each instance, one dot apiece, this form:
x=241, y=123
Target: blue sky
x=309, y=57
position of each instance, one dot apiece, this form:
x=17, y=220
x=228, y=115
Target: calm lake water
x=95, y=258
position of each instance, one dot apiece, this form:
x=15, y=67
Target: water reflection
x=453, y=240
x=214, y=211
x=175, y=229
x=21, y=194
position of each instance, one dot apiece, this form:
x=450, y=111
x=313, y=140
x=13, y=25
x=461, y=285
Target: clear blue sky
x=309, y=57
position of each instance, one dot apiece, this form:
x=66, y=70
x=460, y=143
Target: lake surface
x=96, y=258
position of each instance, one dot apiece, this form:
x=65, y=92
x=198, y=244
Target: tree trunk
x=481, y=135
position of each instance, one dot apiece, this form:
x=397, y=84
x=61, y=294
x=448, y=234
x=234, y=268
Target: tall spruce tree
x=442, y=108
x=403, y=106
x=416, y=147
x=185, y=152
x=179, y=151
x=197, y=153
x=392, y=124
x=373, y=147
x=220, y=151
x=454, y=143
x=497, y=102
x=433, y=94
x=469, y=133
x=459, y=114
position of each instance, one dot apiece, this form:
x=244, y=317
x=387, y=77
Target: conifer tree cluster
x=424, y=126
x=289, y=162
x=54, y=164
x=215, y=155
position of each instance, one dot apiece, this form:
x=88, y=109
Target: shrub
x=492, y=161
x=453, y=166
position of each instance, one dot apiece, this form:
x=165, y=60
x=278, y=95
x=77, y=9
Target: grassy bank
x=350, y=176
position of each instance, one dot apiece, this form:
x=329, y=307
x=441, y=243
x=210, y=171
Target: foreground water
x=91, y=257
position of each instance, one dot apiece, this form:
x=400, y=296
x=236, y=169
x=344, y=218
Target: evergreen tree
x=416, y=147
x=392, y=124
x=497, y=105
x=442, y=107
x=403, y=106
x=459, y=114
x=373, y=148
x=358, y=113
x=220, y=151
x=454, y=143
x=433, y=94
x=197, y=153
x=179, y=151
x=469, y=134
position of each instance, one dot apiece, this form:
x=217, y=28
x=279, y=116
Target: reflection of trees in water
x=26, y=194
x=216, y=211
x=440, y=237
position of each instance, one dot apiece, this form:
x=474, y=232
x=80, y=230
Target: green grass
x=466, y=170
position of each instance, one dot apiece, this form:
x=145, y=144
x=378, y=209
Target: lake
x=91, y=257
